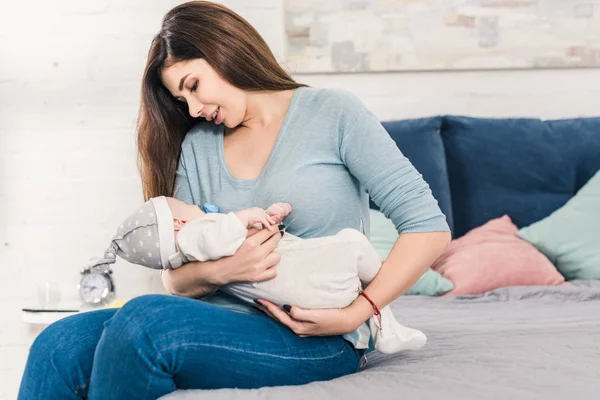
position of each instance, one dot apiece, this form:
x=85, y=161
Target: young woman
x=222, y=122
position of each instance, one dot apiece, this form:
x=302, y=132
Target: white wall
x=69, y=86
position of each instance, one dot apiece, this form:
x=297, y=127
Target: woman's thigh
x=60, y=360
x=162, y=343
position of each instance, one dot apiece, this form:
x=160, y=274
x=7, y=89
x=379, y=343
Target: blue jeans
x=156, y=344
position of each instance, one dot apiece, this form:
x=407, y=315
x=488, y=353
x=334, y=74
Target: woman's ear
x=178, y=224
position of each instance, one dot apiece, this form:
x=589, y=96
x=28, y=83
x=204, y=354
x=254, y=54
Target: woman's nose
x=195, y=108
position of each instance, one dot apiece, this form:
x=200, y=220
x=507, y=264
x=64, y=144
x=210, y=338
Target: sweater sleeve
x=183, y=189
x=393, y=183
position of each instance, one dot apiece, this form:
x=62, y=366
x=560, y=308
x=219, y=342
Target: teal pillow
x=383, y=237
x=570, y=236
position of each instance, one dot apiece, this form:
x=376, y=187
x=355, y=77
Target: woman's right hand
x=256, y=258
x=254, y=261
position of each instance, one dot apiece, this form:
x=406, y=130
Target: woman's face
x=205, y=92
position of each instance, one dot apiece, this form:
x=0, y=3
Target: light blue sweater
x=330, y=155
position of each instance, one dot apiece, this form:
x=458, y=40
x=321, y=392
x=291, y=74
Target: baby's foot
x=399, y=338
x=394, y=337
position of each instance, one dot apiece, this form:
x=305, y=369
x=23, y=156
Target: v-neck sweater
x=330, y=155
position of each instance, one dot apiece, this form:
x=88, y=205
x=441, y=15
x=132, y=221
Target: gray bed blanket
x=511, y=343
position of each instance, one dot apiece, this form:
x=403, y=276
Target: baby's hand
x=255, y=215
x=279, y=211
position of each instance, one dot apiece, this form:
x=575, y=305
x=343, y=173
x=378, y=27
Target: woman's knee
x=61, y=356
x=69, y=335
x=152, y=318
x=144, y=303
x=140, y=316
x=144, y=308
x=48, y=341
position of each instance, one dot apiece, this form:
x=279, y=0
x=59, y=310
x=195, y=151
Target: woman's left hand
x=315, y=322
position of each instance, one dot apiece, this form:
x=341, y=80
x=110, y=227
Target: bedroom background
x=69, y=88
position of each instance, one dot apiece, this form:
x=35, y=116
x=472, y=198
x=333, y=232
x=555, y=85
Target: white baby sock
x=394, y=337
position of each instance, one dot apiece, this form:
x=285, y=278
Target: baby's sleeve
x=211, y=237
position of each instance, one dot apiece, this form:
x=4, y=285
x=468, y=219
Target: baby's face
x=183, y=213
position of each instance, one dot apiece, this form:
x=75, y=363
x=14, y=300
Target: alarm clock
x=96, y=286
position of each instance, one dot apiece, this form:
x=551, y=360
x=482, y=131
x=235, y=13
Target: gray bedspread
x=511, y=343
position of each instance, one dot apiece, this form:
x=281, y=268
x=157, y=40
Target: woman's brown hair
x=230, y=45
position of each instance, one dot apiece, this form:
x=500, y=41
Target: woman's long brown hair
x=230, y=45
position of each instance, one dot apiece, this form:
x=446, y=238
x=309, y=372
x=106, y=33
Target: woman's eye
x=194, y=87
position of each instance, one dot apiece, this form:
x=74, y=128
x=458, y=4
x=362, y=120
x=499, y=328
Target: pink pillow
x=493, y=256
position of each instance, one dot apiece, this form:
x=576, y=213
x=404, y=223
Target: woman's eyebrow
x=181, y=82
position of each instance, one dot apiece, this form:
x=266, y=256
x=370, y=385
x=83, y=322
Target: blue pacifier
x=210, y=208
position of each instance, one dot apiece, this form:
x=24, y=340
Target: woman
x=261, y=138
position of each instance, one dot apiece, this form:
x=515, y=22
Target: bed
x=510, y=343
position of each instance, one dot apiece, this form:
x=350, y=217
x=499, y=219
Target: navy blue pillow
x=582, y=145
x=525, y=168
x=420, y=141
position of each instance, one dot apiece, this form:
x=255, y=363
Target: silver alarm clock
x=96, y=286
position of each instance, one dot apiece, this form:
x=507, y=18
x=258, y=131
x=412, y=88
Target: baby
x=313, y=273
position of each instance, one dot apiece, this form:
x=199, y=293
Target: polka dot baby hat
x=146, y=237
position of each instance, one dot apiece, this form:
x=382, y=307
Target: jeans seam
x=258, y=353
x=156, y=358
x=77, y=387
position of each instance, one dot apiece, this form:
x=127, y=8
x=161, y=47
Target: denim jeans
x=156, y=344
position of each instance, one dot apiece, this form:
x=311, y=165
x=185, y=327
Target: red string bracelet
x=376, y=313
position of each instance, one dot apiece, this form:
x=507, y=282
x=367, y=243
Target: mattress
x=511, y=343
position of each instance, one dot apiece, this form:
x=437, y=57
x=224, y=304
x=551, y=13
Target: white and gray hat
x=145, y=238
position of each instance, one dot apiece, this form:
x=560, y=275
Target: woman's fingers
x=266, y=275
x=262, y=236
x=268, y=270
x=299, y=314
x=271, y=244
x=252, y=232
x=263, y=309
x=272, y=259
x=298, y=327
x=260, y=252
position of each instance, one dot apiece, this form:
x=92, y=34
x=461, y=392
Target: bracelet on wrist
x=375, y=309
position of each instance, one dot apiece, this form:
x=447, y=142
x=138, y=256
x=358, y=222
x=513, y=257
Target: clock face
x=94, y=288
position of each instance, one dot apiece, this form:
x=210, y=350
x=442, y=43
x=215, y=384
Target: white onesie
x=312, y=273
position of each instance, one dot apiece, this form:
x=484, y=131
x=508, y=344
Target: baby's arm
x=210, y=237
x=215, y=235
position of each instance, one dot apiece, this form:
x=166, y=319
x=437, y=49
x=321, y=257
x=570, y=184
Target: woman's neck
x=266, y=108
